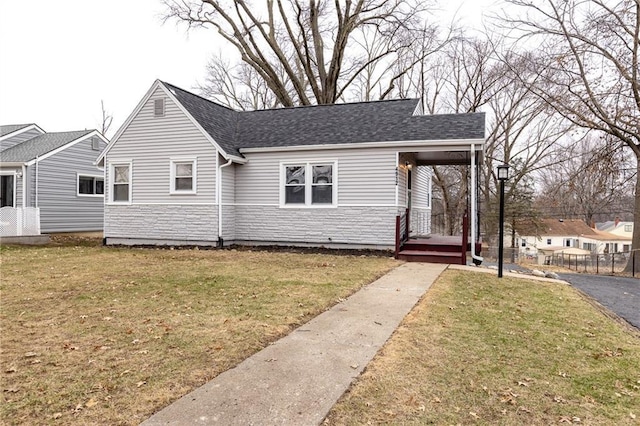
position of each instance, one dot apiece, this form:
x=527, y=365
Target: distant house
x=558, y=234
x=185, y=170
x=617, y=227
x=54, y=172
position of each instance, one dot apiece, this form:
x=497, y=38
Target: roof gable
x=218, y=121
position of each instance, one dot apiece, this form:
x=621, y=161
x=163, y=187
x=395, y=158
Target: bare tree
x=310, y=52
x=591, y=182
x=470, y=75
x=107, y=119
x=236, y=86
x=587, y=67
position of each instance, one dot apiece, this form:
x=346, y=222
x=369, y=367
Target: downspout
x=219, y=185
x=24, y=186
x=36, y=183
x=474, y=217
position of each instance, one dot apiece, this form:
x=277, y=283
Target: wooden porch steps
x=434, y=249
x=430, y=256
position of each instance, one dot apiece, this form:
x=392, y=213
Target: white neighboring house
x=557, y=234
x=617, y=227
x=54, y=172
x=185, y=170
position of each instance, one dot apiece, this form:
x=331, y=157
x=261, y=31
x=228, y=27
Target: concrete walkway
x=297, y=380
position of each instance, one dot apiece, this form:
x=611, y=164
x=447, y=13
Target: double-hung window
x=120, y=182
x=90, y=185
x=309, y=184
x=183, y=175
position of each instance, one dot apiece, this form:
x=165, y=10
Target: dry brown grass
x=478, y=350
x=94, y=335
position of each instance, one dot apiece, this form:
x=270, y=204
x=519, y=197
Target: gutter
x=219, y=187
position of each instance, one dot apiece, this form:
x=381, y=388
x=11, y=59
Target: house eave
x=435, y=143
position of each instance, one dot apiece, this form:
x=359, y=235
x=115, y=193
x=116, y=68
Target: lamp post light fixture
x=503, y=175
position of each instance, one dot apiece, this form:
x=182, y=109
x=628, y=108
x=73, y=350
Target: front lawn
x=482, y=350
x=95, y=335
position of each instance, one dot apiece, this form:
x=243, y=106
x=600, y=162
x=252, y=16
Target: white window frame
x=95, y=144
x=112, y=166
x=628, y=228
x=173, y=162
x=308, y=183
x=549, y=241
x=86, y=175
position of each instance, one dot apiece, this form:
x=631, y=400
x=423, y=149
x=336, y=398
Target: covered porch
x=415, y=239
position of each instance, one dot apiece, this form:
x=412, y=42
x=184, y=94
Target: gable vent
x=158, y=108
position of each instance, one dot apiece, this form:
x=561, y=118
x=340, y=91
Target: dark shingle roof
x=10, y=128
x=218, y=121
x=39, y=146
x=379, y=121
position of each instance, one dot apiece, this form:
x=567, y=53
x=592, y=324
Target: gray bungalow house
x=185, y=170
x=54, y=172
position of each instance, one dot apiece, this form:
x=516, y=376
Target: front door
x=7, y=191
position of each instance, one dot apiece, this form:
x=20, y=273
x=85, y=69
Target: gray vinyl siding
x=402, y=187
x=61, y=208
x=151, y=142
x=19, y=138
x=364, y=215
x=365, y=176
x=421, y=187
x=31, y=185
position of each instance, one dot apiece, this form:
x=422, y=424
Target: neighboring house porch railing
x=19, y=221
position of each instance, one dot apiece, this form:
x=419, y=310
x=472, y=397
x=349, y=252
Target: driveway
x=618, y=294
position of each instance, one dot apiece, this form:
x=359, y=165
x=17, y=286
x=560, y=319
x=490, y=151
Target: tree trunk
x=635, y=239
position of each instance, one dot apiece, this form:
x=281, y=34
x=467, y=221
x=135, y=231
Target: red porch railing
x=402, y=230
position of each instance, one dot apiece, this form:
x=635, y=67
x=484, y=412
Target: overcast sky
x=61, y=58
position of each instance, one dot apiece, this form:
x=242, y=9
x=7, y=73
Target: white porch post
x=474, y=206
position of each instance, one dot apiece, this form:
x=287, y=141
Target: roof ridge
x=289, y=107
x=197, y=96
x=331, y=105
